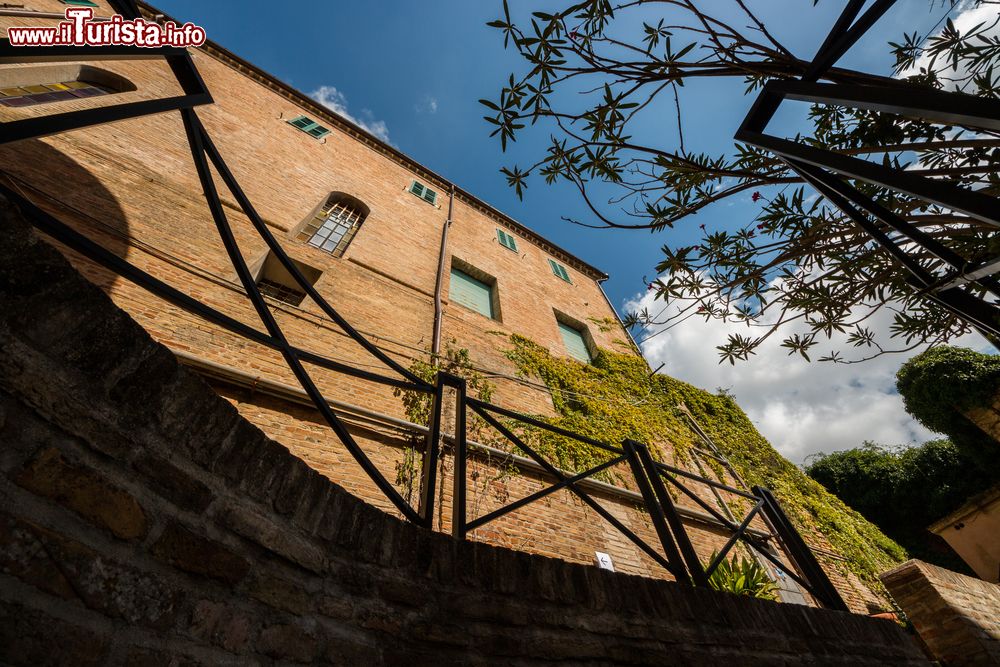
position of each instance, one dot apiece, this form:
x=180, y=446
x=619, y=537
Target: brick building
x=410, y=259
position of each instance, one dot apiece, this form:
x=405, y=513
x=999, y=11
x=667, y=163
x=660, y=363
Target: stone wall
x=145, y=522
x=957, y=617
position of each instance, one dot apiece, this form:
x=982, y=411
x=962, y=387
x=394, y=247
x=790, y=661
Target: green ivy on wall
x=941, y=384
x=616, y=397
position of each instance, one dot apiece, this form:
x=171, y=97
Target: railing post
x=461, y=454
x=799, y=552
x=694, y=565
x=655, y=512
x=432, y=449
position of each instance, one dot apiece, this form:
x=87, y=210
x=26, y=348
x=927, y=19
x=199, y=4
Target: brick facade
x=957, y=617
x=132, y=186
x=145, y=522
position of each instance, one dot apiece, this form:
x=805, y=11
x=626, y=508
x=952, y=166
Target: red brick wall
x=957, y=617
x=132, y=186
x=145, y=522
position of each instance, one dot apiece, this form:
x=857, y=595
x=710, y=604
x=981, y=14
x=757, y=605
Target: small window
x=473, y=289
x=424, y=192
x=333, y=226
x=274, y=281
x=309, y=126
x=79, y=3
x=575, y=342
x=506, y=240
x=559, y=270
x=25, y=96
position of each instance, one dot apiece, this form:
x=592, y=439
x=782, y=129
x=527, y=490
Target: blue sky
x=413, y=72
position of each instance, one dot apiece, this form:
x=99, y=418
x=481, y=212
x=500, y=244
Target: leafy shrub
x=742, y=576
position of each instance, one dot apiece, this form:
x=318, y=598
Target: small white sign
x=604, y=561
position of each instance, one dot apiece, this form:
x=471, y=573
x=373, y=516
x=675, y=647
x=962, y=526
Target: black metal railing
x=676, y=553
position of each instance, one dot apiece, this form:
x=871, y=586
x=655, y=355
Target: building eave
x=302, y=100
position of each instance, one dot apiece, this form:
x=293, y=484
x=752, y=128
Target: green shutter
x=559, y=270
x=471, y=293
x=575, y=343
x=506, y=240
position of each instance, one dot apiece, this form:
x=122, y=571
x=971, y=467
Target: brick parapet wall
x=957, y=617
x=145, y=522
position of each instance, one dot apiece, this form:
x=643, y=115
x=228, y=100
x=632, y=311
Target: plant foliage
x=905, y=489
x=597, y=73
x=617, y=397
x=740, y=575
x=941, y=385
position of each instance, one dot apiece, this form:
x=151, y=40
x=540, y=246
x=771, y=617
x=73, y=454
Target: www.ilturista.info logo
x=80, y=29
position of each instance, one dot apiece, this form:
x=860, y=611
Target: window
x=309, y=126
x=506, y=240
x=333, y=226
x=473, y=289
x=559, y=270
x=43, y=84
x=575, y=341
x=275, y=281
x=79, y=3
x=423, y=192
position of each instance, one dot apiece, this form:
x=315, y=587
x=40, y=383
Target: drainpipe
x=436, y=340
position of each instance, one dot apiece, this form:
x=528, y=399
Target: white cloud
x=967, y=17
x=335, y=101
x=427, y=104
x=800, y=407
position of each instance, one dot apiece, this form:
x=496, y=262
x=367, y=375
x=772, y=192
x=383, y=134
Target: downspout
x=436, y=339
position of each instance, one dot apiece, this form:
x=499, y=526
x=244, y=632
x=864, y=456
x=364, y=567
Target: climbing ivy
x=616, y=397
x=939, y=385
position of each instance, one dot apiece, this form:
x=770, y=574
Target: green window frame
x=79, y=3
x=559, y=271
x=506, y=240
x=309, y=126
x=419, y=189
x=472, y=293
x=575, y=342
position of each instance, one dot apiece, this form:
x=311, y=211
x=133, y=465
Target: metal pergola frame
x=831, y=173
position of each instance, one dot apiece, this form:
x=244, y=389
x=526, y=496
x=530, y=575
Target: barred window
x=334, y=226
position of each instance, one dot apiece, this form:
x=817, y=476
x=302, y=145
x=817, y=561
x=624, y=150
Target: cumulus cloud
x=802, y=408
x=335, y=101
x=427, y=104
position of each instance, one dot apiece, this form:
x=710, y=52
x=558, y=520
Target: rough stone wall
x=145, y=522
x=958, y=617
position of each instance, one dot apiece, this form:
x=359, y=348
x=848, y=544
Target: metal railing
x=676, y=553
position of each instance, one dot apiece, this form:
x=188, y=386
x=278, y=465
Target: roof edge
x=301, y=99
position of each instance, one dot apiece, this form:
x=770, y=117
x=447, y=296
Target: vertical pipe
x=428, y=469
x=439, y=285
x=673, y=518
x=655, y=513
x=800, y=553
x=461, y=458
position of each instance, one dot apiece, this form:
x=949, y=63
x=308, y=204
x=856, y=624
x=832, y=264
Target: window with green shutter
x=559, y=270
x=424, y=192
x=575, y=343
x=80, y=3
x=506, y=240
x=471, y=293
x=309, y=126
